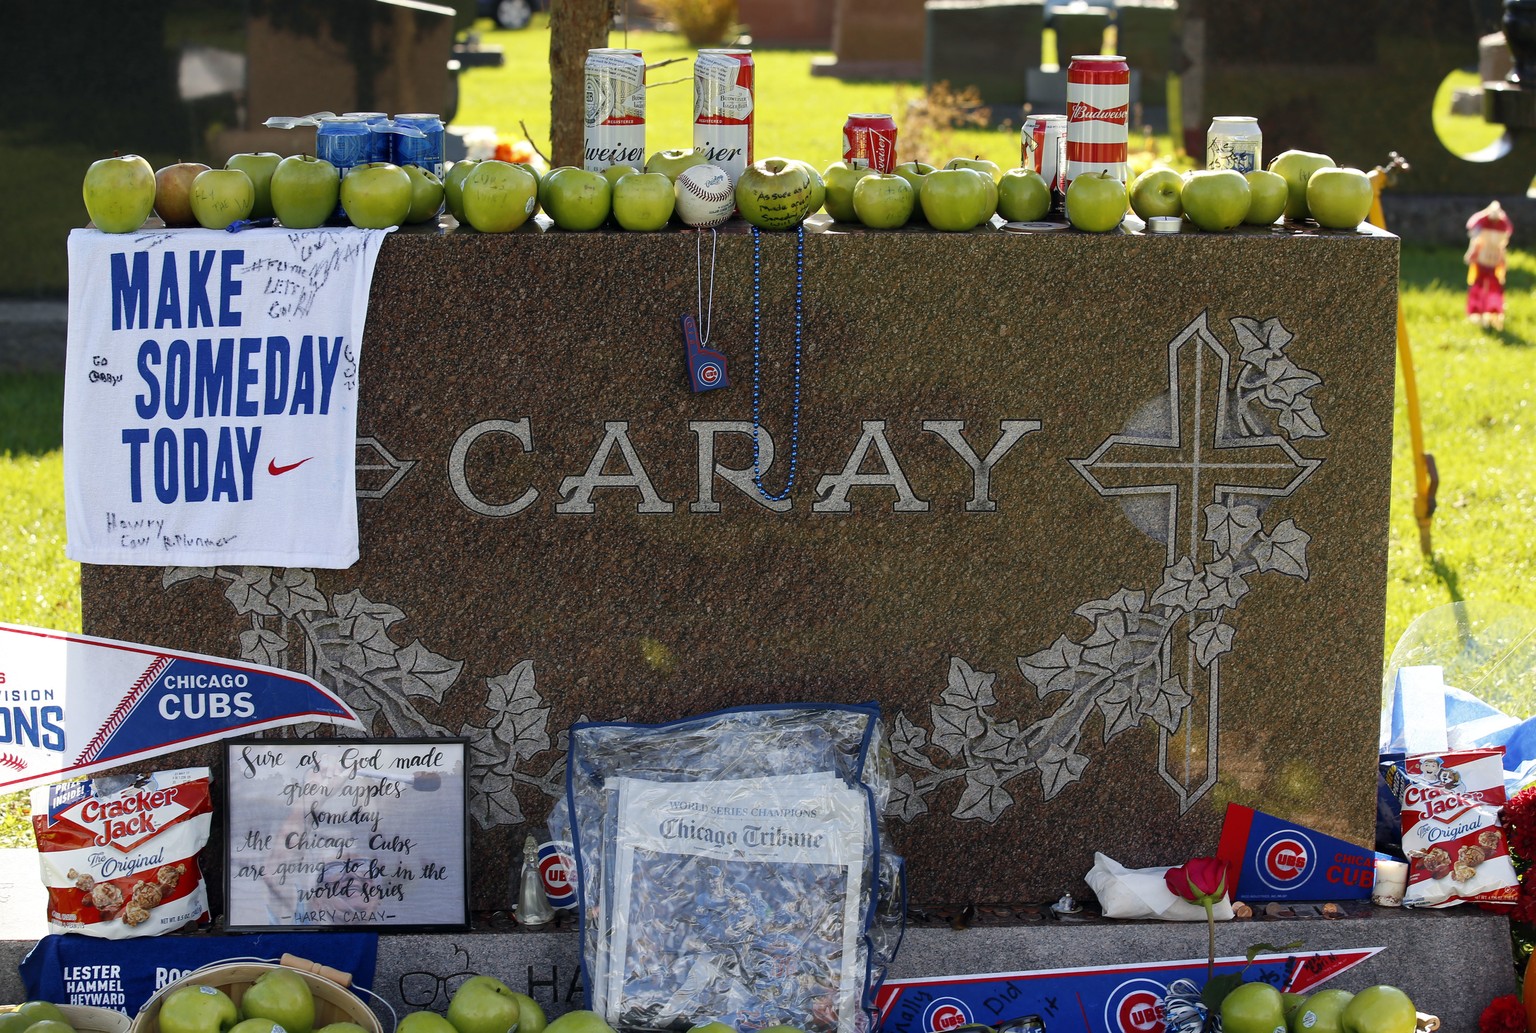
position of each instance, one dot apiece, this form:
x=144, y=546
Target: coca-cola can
x=614, y=132
x=724, y=95
x=1041, y=145
x=869, y=142
x=1098, y=116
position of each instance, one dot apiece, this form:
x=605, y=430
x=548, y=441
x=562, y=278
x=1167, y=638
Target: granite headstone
x=1099, y=520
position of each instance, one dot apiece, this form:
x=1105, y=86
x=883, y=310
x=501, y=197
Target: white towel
x=210, y=396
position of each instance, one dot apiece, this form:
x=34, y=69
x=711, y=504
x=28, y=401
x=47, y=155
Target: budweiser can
x=869, y=142
x=1098, y=110
x=1040, y=148
x=614, y=133
x=724, y=94
x=1234, y=142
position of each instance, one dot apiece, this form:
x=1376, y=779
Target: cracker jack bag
x=1452, y=835
x=119, y=854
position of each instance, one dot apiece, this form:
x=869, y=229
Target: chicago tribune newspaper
x=738, y=900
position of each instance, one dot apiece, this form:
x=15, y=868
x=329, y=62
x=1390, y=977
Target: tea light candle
x=1391, y=881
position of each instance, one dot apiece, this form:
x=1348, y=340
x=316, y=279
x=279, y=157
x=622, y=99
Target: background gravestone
x=1100, y=521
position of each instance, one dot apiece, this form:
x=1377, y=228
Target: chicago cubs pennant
x=1112, y=999
x=1279, y=860
x=74, y=704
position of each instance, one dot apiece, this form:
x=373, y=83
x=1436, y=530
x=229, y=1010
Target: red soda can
x=724, y=95
x=869, y=142
x=614, y=129
x=1040, y=148
x=1098, y=116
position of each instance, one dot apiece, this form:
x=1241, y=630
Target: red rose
x=1201, y=880
x=1503, y=1015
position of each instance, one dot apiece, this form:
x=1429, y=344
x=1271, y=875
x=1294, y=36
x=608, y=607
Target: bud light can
x=869, y=142
x=1040, y=148
x=1098, y=116
x=614, y=128
x=346, y=142
x=1234, y=142
x=426, y=150
x=724, y=85
x=380, y=147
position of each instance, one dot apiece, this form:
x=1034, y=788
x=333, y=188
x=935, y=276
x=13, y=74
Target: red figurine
x=1489, y=231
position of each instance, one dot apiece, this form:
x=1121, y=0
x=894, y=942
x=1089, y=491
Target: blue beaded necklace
x=757, y=353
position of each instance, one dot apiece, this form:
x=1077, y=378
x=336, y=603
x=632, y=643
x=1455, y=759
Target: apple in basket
x=282, y=996
x=342, y=1027
x=483, y=1005
x=424, y=1022
x=257, y=1026
x=581, y=1022
x=197, y=1009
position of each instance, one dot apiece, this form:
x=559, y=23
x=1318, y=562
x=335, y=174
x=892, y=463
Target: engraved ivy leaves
x=1120, y=669
x=344, y=643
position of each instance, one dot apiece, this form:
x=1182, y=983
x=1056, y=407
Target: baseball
x=704, y=196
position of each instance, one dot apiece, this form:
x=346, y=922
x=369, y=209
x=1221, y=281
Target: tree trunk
x=576, y=26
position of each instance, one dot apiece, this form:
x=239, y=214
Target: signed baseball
x=704, y=196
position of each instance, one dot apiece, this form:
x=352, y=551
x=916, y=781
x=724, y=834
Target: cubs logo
x=710, y=373
x=946, y=1013
x=1285, y=859
x=558, y=871
x=1135, y=1006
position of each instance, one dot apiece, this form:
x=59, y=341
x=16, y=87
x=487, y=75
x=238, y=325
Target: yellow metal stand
x=1426, y=478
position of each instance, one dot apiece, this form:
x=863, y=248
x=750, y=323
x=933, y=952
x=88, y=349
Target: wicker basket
x=333, y=1001
x=95, y=1020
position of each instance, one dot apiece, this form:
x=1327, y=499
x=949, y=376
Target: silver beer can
x=614, y=131
x=1234, y=142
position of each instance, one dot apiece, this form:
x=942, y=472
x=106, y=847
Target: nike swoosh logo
x=275, y=470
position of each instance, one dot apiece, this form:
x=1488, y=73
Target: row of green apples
x=1298, y=185
x=37, y=1016
x=1260, y=1008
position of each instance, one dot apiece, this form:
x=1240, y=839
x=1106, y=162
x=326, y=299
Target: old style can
x=724, y=95
x=1098, y=114
x=426, y=150
x=614, y=127
x=1041, y=145
x=1234, y=142
x=869, y=142
x=381, y=144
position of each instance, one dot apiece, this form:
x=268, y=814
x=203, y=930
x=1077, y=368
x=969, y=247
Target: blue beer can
x=425, y=150
x=346, y=141
x=381, y=147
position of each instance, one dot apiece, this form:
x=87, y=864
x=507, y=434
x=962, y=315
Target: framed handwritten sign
x=347, y=833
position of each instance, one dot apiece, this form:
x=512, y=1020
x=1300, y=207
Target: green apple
x=197, y=1009
x=614, y=173
x=426, y=194
x=1157, y=192
x=818, y=185
x=989, y=203
x=483, y=1004
x=376, y=196
x=913, y=172
x=671, y=163
x=220, y=197
x=1023, y=196
x=643, y=201
x=774, y=194
x=580, y=1021
x=283, y=996
x=13, y=1022
x=575, y=198
x=953, y=199
x=1296, y=167
x=883, y=202
x=978, y=163
x=257, y=1026
x=173, y=188
x=342, y=1027
x=259, y=165
x=1252, y=1007
x=52, y=1026
x=1267, y=196
x=1339, y=199
x=499, y=196
x=1216, y=199
x=530, y=1016
x=119, y=193
x=1096, y=202
x=1379, y=1009
x=40, y=1011
x=1323, y=1012
x=453, y=186
x=424, y=1022
x=305, y=190
x=840, y=180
